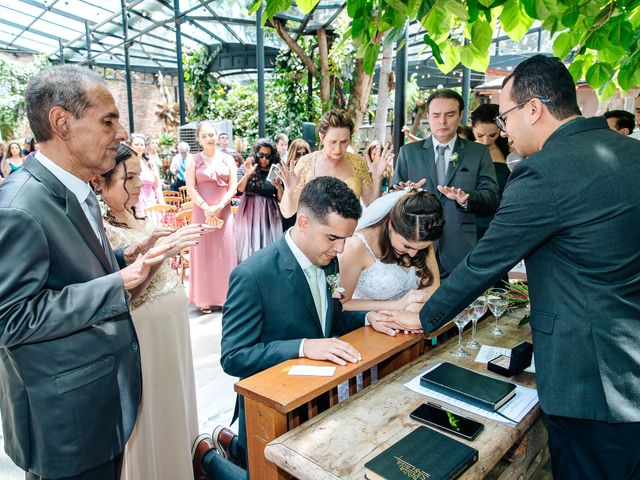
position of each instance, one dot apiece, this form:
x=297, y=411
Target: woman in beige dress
x=167, y=424
x=334, y=160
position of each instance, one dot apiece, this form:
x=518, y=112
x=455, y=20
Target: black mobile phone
x=436, y=416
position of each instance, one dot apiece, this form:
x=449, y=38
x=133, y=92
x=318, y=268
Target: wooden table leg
x=264, y=424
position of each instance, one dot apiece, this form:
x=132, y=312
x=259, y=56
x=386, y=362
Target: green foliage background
x=14, y=77
x=285, y=97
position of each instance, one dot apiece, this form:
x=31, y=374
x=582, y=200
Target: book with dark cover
x=423, y=454
x=469, y=386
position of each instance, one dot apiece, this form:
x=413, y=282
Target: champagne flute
x=461, y=320
x=498, y=301
x=479, y=309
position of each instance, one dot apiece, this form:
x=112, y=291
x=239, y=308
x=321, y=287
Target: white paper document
x=312, y=371
x=516, y=408
x=489, y=352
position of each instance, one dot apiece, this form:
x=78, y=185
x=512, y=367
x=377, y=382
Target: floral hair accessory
x=453, y=159
x=334, y=285
x=104, y=208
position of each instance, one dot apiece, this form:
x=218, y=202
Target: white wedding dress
x=383, y=281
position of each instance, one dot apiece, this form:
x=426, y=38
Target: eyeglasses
x=301, y=153
x=263, y=155
x=501, y=120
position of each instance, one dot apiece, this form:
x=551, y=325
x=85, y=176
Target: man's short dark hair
x=623, y=118
x=545, y=77
x=60, y=86
x=446, y=93
x=324, y=195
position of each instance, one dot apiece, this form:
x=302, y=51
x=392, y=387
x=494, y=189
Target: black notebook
x=469, y=386
x=422, y=454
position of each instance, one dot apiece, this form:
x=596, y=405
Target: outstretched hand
x=331, y=349
x=453, y=193
x=287, y=174
x=384, y=157
x=185, y=237
x=136, y=273
x=409, y=184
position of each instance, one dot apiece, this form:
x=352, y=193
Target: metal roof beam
x=207, y=31
x=215, y=15
x=58, y=11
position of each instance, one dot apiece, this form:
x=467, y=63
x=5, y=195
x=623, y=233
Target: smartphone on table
x=436, y=416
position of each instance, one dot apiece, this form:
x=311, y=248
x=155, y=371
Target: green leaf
x=563, y=44
x=399, y=8
x=550, y=24
x=306, y=6
x=570, y=17
x=253, y=6
x=370, y=58
x=629, y=74
x=393, y=36
x=621, y=32
x=451, y=55
x=275, y=6
x=598, y=74
x=606, y=91
x=475, y=59
x=597, y=39
x=485, y=3
x=515, y=22
x=457, y=8
x=576, y=69
x=481, y=35
x=437, y=21
x=435, y=49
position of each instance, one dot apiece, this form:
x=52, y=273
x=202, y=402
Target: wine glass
x=461, y=320
x=498, y=301
x=479, y=309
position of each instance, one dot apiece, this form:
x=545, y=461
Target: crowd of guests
x=317, y=248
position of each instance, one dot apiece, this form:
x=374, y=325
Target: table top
x=337, y=443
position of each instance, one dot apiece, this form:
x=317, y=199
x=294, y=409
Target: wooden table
x=337, y=443
x=276, y=402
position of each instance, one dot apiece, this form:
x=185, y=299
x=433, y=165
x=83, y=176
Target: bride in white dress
x=390, y=263
x=167, y=423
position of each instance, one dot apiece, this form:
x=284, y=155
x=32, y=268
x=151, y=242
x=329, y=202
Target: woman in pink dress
x=211, y=178
x=151, y=193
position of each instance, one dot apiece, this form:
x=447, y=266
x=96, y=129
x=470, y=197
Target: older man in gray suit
x=69, y=362
x=571, y=210
x=458, y=171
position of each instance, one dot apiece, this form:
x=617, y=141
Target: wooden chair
x=175, y=201
x=185, y=194
x=183, y=217
x=187, y=205
x=161, y=215
x=171, y=193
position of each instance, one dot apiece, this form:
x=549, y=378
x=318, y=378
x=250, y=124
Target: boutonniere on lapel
x=104, y=208
x=453, y=159
x=334, y=286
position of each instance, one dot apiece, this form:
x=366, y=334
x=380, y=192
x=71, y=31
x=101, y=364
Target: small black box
x=520, y=359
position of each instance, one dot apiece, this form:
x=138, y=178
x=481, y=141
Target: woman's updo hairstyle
x=335, y=119
x=418, y=217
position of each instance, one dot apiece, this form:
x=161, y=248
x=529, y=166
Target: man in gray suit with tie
x=571, y=210
x=459, y=172
x=69, y=362
x=284, y=303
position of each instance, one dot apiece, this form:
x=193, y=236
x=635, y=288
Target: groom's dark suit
x=269, y=310
x=69, y=363
x=473, y=172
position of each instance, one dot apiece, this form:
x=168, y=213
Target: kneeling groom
x=281, y=303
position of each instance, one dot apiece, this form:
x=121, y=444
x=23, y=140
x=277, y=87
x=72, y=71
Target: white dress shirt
x=304, y=262
x=447, y=152
x=78, y=187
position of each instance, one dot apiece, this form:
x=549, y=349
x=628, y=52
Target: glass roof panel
x=22, y=8
x=59, y=31
x=15, y=17
x=94, y=12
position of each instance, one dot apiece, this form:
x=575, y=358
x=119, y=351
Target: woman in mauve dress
x=258, y=222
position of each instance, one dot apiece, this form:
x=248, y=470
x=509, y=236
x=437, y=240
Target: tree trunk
x=325, y=80
x=359, y=100
x=384, y=88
